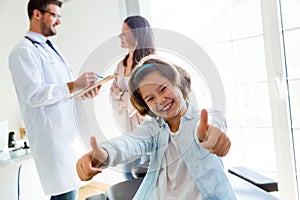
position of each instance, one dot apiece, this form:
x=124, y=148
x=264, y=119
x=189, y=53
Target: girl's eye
x=149, y=99
x=163, y=88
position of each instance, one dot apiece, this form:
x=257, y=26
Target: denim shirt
x=152, y=137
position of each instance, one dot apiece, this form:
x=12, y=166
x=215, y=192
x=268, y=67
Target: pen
x=100, y=76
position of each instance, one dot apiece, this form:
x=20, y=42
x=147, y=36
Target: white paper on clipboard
x=82, y=92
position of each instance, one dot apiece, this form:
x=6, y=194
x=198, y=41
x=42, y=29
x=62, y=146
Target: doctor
x=43, y=83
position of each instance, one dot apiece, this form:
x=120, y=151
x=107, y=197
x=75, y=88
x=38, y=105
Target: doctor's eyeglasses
x=55, y=15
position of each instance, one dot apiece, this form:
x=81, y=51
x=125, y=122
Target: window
x=290, y=31
x=231, y=32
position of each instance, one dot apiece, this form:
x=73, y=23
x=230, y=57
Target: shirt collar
x=190, y=111
x=36, y=37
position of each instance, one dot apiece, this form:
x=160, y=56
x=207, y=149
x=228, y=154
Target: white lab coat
x=40, y=78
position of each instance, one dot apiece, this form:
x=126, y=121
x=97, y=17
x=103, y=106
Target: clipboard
x=82, y=92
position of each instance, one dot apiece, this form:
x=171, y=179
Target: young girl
x=180, y=167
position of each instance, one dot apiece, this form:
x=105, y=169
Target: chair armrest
x=140, y=171
x=97, y=197
x=256, y=179
x=124, y=190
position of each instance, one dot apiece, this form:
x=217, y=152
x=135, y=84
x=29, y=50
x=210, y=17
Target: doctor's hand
x=88, y=165
x=85, y=80
x=212, y=138
x=92, y=93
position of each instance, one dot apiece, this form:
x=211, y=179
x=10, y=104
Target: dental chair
x=247, y=185
x=120, y=191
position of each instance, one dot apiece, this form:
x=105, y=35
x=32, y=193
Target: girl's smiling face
x=162, y=97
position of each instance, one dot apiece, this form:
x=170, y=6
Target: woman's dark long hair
x=142, y=32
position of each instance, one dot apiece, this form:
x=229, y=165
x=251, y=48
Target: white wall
x=14, y=23
x=85, y=22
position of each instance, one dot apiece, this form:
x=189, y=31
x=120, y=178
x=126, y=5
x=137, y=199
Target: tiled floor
x=93, y=188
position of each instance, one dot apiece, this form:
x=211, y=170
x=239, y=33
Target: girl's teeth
x=168, y=106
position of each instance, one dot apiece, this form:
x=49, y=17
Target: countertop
x=8, y=157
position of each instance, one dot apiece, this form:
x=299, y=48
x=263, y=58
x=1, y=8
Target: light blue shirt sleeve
x=131, y=146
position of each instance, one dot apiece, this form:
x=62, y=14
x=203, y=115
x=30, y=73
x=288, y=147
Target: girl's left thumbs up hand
x=212, y=138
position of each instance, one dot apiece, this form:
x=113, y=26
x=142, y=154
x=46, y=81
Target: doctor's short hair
x=40, y=5
x=175, y=74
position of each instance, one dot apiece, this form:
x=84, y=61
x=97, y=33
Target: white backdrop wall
x=85, y=25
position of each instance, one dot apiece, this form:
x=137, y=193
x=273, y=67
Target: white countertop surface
x=14, y=157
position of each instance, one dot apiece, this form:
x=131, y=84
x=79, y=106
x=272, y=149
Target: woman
x=137, y=37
